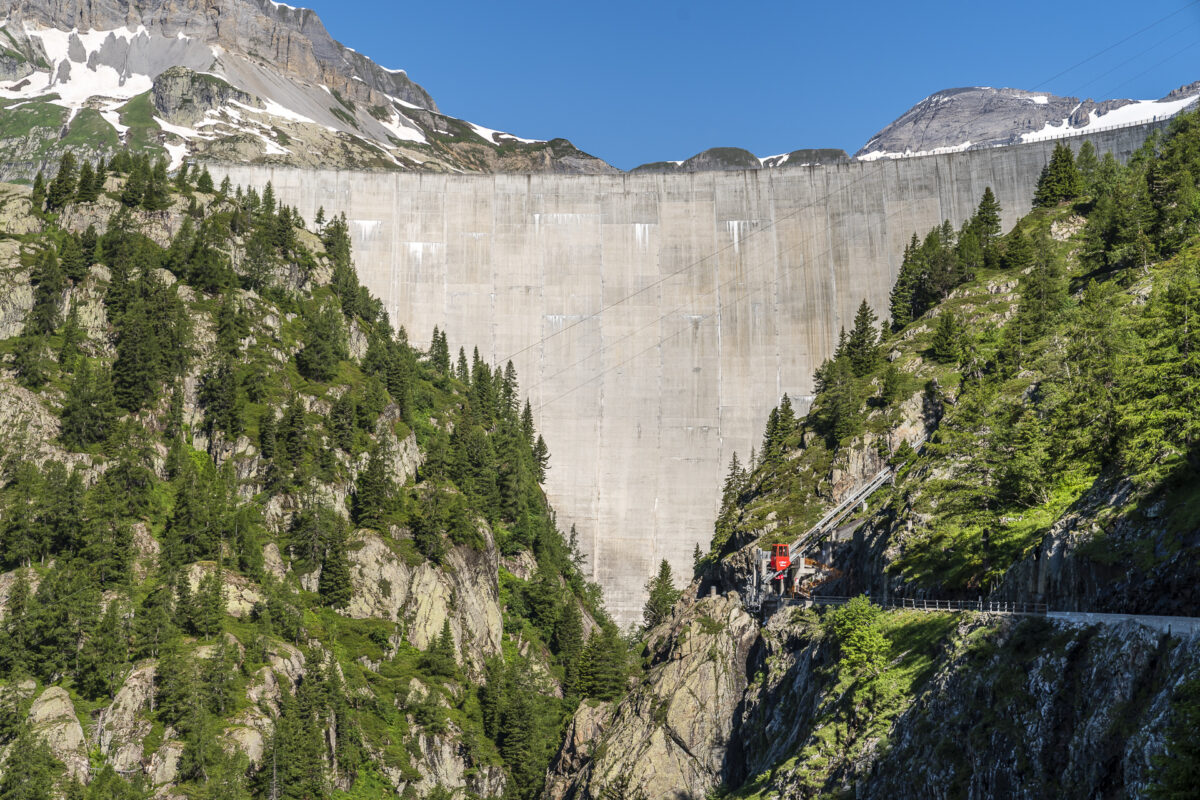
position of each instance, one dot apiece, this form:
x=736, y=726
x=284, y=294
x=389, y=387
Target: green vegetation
x=881, y=660
x=138, y=116
x=1052, y=362
x=1177, y=773
x=661, y=596
x=224, y=414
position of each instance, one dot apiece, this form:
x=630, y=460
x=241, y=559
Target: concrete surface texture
x=654, y=320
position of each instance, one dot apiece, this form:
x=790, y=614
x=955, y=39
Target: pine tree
x=135, y=185
x=37, y=200
x=136, y=368
x=862, y=347
x=462, y=371
x=568, y=644
x=90, y=409
x=1176, y=772
x=31, y=769
x=74, y=262
x=603, y=664
x=153, y=625
x=900, y=306
x=87, y=191
x=440, y=660
x=1088, y=165
x=62, y=188
x=947, y=345
x=1059, y=180
x=210, y=604
x=102, y=659
x=986, y=221
x=50, y=283
x=324, y=345
x=156, y=196
x=374, y=492
x=204, y=183
x=335, y=586
x=662, y=595
x=28, y=357
x=439, y=352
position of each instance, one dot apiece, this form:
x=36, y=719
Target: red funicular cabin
x=780, y=560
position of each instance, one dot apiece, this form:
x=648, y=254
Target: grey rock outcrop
x=669, y=736
x=267, y=80
x=183, y=96
x=121, y=727
x=52, y=717
x=423, y=597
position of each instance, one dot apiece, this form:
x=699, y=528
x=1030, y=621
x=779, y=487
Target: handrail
x=933, y=604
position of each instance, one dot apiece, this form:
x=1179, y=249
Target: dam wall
x=654, y=319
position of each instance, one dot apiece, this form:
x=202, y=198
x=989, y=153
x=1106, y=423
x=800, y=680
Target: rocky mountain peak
x=981, y=116
x=295, y=95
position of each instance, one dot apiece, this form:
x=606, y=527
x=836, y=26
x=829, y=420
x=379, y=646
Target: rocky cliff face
x=671, y=736
x=263, y=82
x=973, y=707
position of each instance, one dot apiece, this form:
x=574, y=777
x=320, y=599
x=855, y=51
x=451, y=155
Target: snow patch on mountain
x=935, y=151
x=496, y=137
x=1136, y=112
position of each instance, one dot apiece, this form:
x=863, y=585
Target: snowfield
x=1140, y=111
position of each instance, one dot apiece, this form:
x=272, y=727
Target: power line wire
x=1133, y=35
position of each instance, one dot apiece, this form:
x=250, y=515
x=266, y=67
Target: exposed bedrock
x=654, y=319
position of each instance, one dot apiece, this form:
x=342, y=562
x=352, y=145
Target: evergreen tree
x=50, y=282
x=837, y=406
x=862, y=347
x=986, y=221
x=135, y=185
x=210, y=604
x=28, y=357
x=74, y=262
x=440, y=659
x=662, y=596
x=90, y=409
x=153, y=625
x=439, y=352
x=62, y=188
x=204, y=183
x=88, y=190
x=139, y=357
x=603, y=664
x=1176, y=773
x=1059, y=180
x=37, y=200
x=102, y=659
x=568, y=644
x=1088, y=165
x=30, y=771
x=335, y=586
x=324, y=345
x=947, y=345
x=374, y=493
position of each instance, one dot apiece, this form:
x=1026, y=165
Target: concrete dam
x=654, y=319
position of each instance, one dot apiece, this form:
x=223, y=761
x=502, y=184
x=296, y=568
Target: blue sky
x=633, y=82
